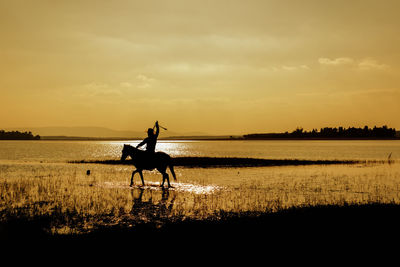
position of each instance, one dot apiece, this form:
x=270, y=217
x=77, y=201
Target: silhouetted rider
x=151, y=139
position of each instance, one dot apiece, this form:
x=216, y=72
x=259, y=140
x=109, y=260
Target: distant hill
x=100, y=132
x=94, y=132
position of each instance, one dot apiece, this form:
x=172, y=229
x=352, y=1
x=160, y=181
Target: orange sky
x=220, y=67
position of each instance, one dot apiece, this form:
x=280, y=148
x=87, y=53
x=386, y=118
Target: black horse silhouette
x=143, y=160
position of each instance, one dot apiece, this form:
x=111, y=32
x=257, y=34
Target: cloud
x=287, y=68
x=95, y=86
x=98, y=89
x=125, y=84
x=293, y=68
x=197, y=68
x=335, y=62
x=364, y=64
x=144, y=81
x=371, y=64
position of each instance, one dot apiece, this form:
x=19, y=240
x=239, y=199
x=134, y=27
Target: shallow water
x=35, y=180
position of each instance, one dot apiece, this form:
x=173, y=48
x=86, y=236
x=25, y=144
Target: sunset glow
x=218, y=67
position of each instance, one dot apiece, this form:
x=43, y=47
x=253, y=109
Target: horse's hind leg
x=166, y=177
x=163, y=171
x=169, y=185
x=163, y=181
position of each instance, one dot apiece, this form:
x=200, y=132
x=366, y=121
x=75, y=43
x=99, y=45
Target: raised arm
x=157, y=129
x=142, y=143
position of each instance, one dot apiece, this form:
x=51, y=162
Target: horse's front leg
x=133, y=174
x=141, y=176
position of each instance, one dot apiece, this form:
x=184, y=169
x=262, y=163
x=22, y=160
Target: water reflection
x=151, y=210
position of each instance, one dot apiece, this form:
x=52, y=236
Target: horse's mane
x=130, y=147
x=133, y=149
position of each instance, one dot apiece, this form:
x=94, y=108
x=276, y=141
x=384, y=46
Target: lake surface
x=63, y=151
x=36, y=179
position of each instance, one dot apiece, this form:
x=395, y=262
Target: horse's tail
x=171, y=168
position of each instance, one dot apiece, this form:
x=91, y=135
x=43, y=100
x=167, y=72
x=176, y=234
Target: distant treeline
x=334, y=133
x=15, y=135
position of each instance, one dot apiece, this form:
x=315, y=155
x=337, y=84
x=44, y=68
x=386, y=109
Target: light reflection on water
x=173, y=148
x=176, y=187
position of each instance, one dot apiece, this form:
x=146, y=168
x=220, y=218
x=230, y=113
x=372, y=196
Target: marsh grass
x=67, y=201
x=71, y=198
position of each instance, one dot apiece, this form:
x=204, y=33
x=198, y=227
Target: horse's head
x=126, y=151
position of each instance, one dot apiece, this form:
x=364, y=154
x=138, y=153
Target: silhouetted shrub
x=337, y=133
x=16, y=135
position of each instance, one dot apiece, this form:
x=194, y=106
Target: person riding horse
x=149, y=159
x=151, y=140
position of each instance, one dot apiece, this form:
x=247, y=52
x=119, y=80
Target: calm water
x=62, y=151
x=36, y=176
